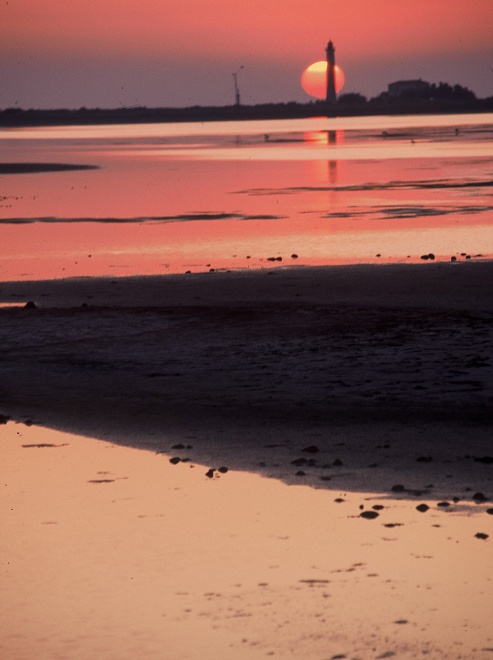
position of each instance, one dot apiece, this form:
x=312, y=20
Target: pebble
x=422, y=508
x=369, y=514
x=312, y=449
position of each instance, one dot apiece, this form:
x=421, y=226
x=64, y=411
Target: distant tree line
x=431, y=98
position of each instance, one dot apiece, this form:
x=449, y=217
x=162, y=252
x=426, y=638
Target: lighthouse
x=331, y=80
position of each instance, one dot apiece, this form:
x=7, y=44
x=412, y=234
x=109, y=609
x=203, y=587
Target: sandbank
x=386, y=370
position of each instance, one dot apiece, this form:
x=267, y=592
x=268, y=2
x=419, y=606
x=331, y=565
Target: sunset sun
x=314, y=79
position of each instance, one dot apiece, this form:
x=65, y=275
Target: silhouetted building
x=331, y=74
x=407, y=86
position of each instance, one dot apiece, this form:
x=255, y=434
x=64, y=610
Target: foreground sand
x=115, y=553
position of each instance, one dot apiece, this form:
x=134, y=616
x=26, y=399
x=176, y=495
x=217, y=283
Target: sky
x=175, y=53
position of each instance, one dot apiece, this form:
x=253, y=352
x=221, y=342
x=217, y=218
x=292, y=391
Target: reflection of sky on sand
x=317, y=181
x=114, y=552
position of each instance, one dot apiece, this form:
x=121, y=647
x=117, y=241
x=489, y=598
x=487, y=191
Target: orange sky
x=172, y=52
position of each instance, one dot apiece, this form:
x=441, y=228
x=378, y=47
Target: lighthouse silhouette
x=331, y=78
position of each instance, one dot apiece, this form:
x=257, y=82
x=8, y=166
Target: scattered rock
x=369, y=514
x=312, y=449
x=30, y=305
x=209, y=473
x=100, y=481
x=429, y=256
x=299, y=461
x=484, y=459
x=378, y=507
x=223, y=469
x=398, y=488
x=339, y=500
x=422, y=508
x=453, y=258
x=300, y=473
x=178, y=446
x=294, y=256
x=174, y=460
x=443, y=504
x=480, y=535
x=4, y=419
x=490, y=511
x=479, y=497
x=337, y=462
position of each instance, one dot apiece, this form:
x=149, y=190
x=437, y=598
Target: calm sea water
x=168, y=198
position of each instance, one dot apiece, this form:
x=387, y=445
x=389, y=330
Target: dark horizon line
x=355, y=105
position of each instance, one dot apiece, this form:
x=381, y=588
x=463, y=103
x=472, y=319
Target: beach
x=246, y=389
x=322, y=394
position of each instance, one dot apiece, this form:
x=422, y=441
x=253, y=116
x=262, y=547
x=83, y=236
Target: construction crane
x=237, y=90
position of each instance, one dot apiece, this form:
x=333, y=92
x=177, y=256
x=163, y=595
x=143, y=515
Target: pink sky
x=104, y=53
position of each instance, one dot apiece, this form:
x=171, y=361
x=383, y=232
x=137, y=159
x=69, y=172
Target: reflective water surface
x=112, y=552
x=175, y=197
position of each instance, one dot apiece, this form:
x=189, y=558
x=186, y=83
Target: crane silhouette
x=237, y=89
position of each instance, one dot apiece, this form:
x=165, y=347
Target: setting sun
x=314, y=79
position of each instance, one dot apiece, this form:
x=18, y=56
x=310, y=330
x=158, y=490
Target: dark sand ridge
x=386, y=370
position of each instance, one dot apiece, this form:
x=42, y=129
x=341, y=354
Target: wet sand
x=112, y=552
x=386, y=370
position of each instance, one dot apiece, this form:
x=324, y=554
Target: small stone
x=174, y=460
x=479, y=497
x=300, y=473
x=443, y=504
x=422, y=508
x=369, y=514
x=480, y=535
x=312, y=449
x=453, y=258
x=294, y=256
x=210, y=473
x=487, y=460
x=337, y=462
x=223, y=469
x=490, y=511
x=30, y=305
x=377, y=507
x=178, y=446
x=398, y=488
x=299, y=461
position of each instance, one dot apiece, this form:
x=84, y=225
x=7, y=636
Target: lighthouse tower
x=331, y=81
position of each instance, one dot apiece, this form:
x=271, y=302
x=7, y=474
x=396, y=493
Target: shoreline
x=461, y=285
x=18, y=118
